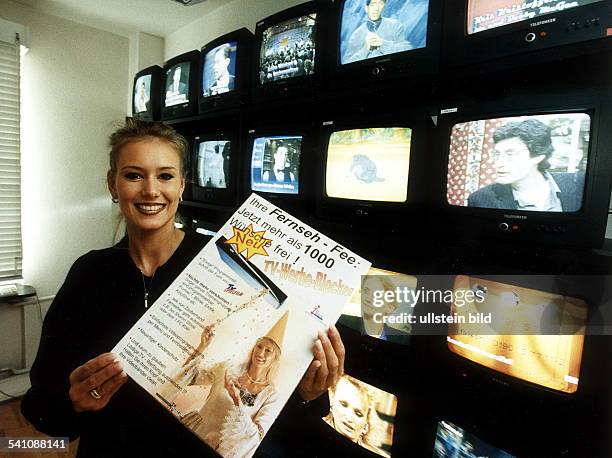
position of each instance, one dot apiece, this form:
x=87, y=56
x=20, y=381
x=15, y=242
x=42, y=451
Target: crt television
x=146, y=92
x=180, y=86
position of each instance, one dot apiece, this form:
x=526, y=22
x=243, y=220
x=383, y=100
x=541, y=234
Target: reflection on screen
x=142, y=94
x=549, y=360
x=359, y=313
x=381, y=27
x=490, y=14
x=219, y=71
x=530, y=163
x=177, y=84
x=454, y=442
x=369, y=164
x=213, y=164
x=275, y=164
x=363, y=414
x=288, y=49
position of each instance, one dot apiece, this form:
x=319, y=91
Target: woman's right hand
x=104, y=374
x=207, y=336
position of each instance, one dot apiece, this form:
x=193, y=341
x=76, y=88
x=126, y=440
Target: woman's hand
x=326, y=367
x=207, y=335
x=94, y=383
x=232, y=388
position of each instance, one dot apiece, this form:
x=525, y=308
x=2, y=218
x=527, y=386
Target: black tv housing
x=153, y=113
x=189, y=108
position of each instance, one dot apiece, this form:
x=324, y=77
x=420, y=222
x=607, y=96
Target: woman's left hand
x=326, y=367
x=232, y=388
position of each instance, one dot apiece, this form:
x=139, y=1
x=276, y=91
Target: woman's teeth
x=150, y=209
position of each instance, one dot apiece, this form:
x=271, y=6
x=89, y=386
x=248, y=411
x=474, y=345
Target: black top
x=100, y=300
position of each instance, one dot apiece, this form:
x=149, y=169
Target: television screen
x=219, y=71
x=288, y=49
x=142, y=94
x=363, y=414
x=375, y=28
x=212, y=169
x=369, y=164
x=531, y=163
x=452, y=441
x=368, y=314
x=177, y=84
x=522, y=343
x=275, y=164
x=490, y=14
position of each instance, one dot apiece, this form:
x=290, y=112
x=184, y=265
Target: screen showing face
x=288, y=49
x=275, y=164
x=363, y=414
x=177, y=84
x=452, y=441
x=142, y=94
x=369, y=164
x=546, y=357
x=490, y=14
x=219, y=71
x=530, y=163
x=367, y=313
x=213, y=164
x=375, y=28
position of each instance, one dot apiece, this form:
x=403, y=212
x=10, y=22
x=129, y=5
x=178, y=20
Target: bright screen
x=490, y=14
x=548, y=360
x=275, y=164
x=374, y=28
x=177, y=84
x=369, y=164
x=530, y=163
x=363, y=414
x=288, y=49
x=452, y=441
x=142, y=94
x=213, y=164
x=219, y=71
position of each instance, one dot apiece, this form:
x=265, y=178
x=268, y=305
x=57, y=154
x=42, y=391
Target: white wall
x=145, y=50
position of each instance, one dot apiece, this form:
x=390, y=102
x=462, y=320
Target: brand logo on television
x=233, y=290
x=515, y=216
x=546, y=21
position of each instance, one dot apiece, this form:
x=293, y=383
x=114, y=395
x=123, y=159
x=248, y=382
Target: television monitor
x=146, y=92
x=484, y=30
x=180, y=88
x=291, y=51
x=535, y=335
x=226, y=67
x=453, y=441
x=384, y=39
x=370, y=170
x=533, y=169
x=215, y=167
x=363, y=414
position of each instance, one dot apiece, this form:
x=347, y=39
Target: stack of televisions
x=387, y=166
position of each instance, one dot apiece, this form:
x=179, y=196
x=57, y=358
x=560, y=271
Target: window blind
x=10, y=165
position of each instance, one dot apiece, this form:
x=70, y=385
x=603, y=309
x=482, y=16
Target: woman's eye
x=132, y=175
x=166, y=176
x=343, y=403
x=359, y=413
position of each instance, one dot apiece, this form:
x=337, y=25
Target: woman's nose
x=150, y=187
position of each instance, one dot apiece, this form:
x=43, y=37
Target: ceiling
x=156, y=17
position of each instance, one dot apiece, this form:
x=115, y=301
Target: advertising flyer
x=226, y=344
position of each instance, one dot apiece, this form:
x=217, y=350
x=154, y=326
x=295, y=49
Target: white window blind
x=10, y=169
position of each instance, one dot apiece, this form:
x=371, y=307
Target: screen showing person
x=374, y=28
x=369, y=164
x=363, y=414
x=177, y=84
x=535, y=336
x=275, y=164
x=213, y=164
x=142, y=94
x=370, y=312
x=288, y=49
x=490, y=14
x=452, y=441
x=219, y=71
x=532, y=163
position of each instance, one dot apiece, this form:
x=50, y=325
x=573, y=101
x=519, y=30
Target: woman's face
x=349, y=410
x=148, y=184
x=263, y=354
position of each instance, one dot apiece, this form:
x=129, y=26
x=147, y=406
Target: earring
x=180, y=198
x=115, y=200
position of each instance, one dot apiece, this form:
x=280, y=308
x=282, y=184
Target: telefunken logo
x=515, y=216
x=233, y=290
x=546, y=21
